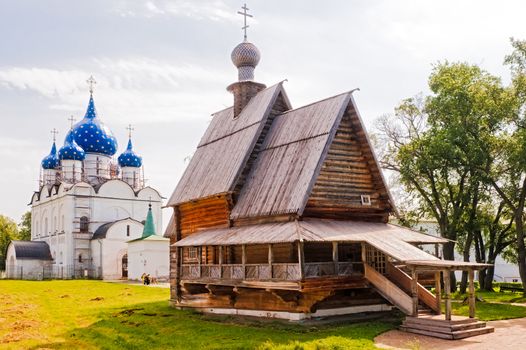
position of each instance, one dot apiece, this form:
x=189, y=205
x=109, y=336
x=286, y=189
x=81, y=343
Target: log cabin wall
x=211, y=212
x=344, y=177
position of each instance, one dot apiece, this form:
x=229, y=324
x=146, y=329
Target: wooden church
x=283, y=212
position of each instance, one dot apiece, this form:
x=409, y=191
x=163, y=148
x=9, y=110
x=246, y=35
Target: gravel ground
x=509, y=334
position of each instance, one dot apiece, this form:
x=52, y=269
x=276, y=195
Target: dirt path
x=509, y=334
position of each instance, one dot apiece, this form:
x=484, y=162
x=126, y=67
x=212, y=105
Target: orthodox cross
x=71, y=121
x=91, y=83
x=54, y=132
x=245, y=15
x=130, y=129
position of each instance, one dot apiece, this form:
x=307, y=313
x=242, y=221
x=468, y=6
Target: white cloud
x=215, y=10
x=131, y=90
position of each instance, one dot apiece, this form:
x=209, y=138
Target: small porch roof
x=426, y=265
x=391, y=239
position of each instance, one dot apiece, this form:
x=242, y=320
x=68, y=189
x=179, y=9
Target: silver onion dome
x=245, y=57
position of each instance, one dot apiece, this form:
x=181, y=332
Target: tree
x=439, y=146
x=24, y=227
x=8, y=232
x=507, y=174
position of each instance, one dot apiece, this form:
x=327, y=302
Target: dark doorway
x=125, y=266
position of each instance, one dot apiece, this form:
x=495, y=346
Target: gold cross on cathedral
x=245, y=15
x=91, y=83
x=130, y=129
x=54, y=132
x=71, y=121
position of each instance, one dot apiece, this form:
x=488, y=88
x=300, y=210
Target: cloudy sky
x=163, y=66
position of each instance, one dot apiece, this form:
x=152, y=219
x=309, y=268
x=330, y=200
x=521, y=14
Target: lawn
x=495, y=305
x=99, y=315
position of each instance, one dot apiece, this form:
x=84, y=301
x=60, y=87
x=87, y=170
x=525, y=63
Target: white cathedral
x=92, y=215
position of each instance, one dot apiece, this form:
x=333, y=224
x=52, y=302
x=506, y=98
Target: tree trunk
x=467, y=249
x=449, y=254
x=521, y=250
x=488, y=279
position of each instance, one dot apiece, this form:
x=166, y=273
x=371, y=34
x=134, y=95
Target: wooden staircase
x=436, y=326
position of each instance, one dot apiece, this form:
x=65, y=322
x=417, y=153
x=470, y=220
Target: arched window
x=84, y=224
x=80, y=258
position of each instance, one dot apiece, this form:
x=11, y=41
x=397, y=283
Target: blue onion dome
x=71, y=150
x=92, y=135
x=129, y=158
x=51, y=160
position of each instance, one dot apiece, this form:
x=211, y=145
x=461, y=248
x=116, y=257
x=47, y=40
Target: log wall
x=344, y=177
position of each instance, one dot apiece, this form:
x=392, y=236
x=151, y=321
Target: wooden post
x=447, y=293
x=364, y=254
x=471, y=293
x=335, y=257
x=270, y=259
x=414, y=290
x=436, y=250
x=220, y=261
x=301, y=260
x=243, y=259
x=438, y=292
x=200, y=252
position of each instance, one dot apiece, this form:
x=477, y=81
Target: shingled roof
x=225, y=148
x=288, y=159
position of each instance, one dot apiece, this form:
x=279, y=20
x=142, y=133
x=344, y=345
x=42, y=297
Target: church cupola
x=50, y=163
x=130, y=163
x=96, y=139
x=149, y=226
x=245, y=57
x=71, y=156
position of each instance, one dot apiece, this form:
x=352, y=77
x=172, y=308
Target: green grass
x=98, y=315
x=495, y=305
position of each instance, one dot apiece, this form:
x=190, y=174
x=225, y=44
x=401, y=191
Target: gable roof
x=290, y=159
x=102, y=230
x=225, y=148
x=32, y=250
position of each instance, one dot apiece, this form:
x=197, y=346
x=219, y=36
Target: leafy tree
x=440, y=145
x=24, y=227
x=8, y=232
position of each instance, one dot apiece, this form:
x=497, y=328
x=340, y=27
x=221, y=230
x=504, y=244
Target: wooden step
x=472, y=332
x=445, y=328
x=439, y=320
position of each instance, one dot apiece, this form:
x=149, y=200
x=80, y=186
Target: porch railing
x=275, y=271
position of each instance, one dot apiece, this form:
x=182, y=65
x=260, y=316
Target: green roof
x=149, y=226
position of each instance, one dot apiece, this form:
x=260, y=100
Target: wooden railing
x=404, y=281
x=276, y=271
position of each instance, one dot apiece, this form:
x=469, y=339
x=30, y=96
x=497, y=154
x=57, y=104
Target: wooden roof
x=224, y=149
x=288, y=164
x=391, y=239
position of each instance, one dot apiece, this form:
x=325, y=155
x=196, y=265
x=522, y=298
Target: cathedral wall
x=150, y=257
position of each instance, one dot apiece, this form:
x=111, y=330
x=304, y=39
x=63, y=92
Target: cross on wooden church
x=130, y=129
x=91, y=83
x=245, y=15
x=54, y=132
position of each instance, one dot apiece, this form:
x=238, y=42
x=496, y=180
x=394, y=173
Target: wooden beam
x=270, y=258
x=335, y=257
x=220, y=261
x=301, y=260
x=438, y=292
x=471, y=293
x=447, y=293
x=243, y=259
x=200, y=251
x=414, y=291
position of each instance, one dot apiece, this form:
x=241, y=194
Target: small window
x=80, y=258
x=128, y=230
x=366, y=199
x=84, y=224
x=192, y=253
